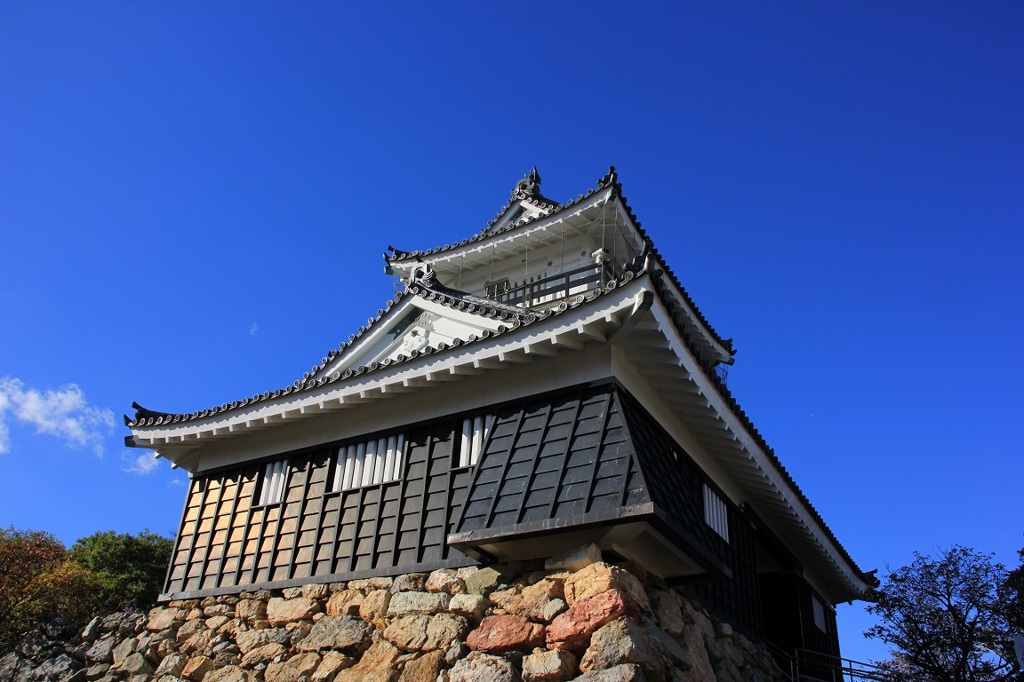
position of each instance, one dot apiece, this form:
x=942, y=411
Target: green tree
x=131, y=568
x=946, y=618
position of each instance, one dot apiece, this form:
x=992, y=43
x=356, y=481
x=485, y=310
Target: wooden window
x=496, y=288
x=818, y=609
x=378, y=460
x=272, y=486
x=716, y=513
x=474, y=436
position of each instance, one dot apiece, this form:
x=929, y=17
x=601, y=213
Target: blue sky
x=194, y=198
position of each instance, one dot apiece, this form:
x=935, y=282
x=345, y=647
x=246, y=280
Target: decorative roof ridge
x=609, y=179
x=759, y=439
x=309, y=381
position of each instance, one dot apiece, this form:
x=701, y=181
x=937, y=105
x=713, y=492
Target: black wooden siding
x=587, y=455
x=226, y=541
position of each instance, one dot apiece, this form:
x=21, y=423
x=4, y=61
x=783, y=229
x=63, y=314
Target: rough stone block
x=338, y=632
x=281, y=611
x=549, y=666
x=423, y=632
x=406, y=603
x=572, y=629
x=503, y=633
x=481, y=667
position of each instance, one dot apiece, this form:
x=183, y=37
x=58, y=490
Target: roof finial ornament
x=528, y=186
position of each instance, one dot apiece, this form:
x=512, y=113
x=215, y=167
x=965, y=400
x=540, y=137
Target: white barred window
x=272, y=491
x=716, y=513
x=474, y=435
x=373, y=461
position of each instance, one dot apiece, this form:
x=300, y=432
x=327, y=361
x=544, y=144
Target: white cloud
x=63, y=413
x=253, y=328
x=143, y=464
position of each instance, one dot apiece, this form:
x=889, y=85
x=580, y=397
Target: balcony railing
x=554, y=287
x=811, y=666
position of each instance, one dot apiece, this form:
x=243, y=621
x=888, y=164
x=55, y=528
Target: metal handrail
x=812, y=666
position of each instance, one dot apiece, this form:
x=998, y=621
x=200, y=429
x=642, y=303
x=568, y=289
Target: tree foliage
x=947, y=618
x=40, y=579
x=1015, y=596
x=24, y=557
x=131, y=568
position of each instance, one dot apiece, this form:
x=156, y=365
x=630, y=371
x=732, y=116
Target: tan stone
x=692, y=641
x=171, y=665
x=218, y=609
x=374, y=606
x=668, y=610
x=627, y=672
x=216, y=622
x=629, y=641
x=197, y=668
x=338, y=632
x=479, y=580
x=262, y=654
x=371, y=584
x=229, y=673
x=406, y=603
x=541, y=601
x=251, y=609
x=332, y=662
x=344, y=601
x=194, y=613
x=123, y=651
x=601, y=577
x=549, y=666
x=136, y=664
x=445, y=580
x=198, y=643
x=292, y=669
x=376, y=665
x=481, y=667
x=281, y=611
x=423, y=668
x=409, y=582
x=471, y=606
x=190, y=628
x=315, y=591
x=426, y=632
x=250, y=639
x=164, y=618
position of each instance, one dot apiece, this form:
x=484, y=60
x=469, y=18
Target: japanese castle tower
x=544, y=384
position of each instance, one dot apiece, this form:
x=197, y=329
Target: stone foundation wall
x=579, y=620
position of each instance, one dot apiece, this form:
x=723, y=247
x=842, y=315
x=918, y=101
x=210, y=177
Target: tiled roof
x=516, y=320
x=515, y=317
x=610, y=180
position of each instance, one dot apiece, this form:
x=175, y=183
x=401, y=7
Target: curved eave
x=660, y=351
x=568, y=327
x=400, y=259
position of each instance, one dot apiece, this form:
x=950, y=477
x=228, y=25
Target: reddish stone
x=500, y=634
x=572, y=629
